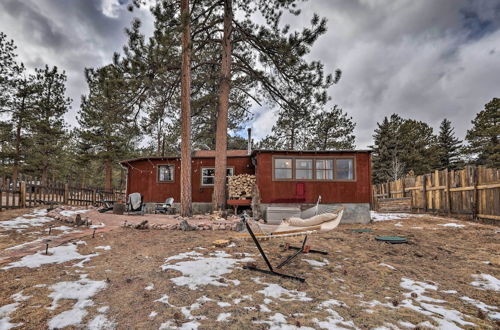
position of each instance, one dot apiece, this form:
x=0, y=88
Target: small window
x=283, y=168
x=165, y=173
x=324, y=169
x=303, y=169
x=344, y=169
x=208, y=175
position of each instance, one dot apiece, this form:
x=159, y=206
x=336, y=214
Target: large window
x=165, y=173
x=344, y=169
x=283, y=168
x=314, y=168
x=208, y=175
x=324, y=169
x=303, y=169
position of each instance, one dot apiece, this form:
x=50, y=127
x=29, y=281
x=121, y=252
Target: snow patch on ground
x=34, y=219
x=105, y=248
x=377, y=216
x=278, y=292
x=490, y=310
x=486, y=282
x=223, y=304
x=5, y=311
x=81, y=291
x=150, y=287
x=455, y=225
x=446, y=318
x=223, y=317
x=316, y=263
x=386, y=265
x=101, y=322
x=278, y=321
x=200, y=270
x=57, y=255
x=69, y=213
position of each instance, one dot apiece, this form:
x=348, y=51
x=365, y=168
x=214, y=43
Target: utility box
x=275, y=214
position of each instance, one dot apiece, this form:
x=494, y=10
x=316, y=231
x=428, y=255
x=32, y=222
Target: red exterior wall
x=143, y=173
x=142, y=178
x=357, y=191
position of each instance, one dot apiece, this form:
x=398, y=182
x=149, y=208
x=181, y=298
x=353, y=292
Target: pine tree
x=46, y=127
x=449, y=146
x=333, y=130
x=386, y=148
x=10, y=72
x=484, y=136
x=107, y=130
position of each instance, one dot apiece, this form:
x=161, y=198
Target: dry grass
x=440, y=255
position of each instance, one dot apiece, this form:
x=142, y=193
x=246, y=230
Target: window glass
x=303, y=169
x=165, y=173
x=208, y=175
x=324, y=169
x=344, y=169
x=283, y=168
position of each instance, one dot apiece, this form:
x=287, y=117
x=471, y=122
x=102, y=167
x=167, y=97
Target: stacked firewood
x=241, y=186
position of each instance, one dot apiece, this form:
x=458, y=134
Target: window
x=314, y=168
x=324, y=169
x=344, y=169
x=165, y=173
x=283, y=168
x=208, y=175
x=303, y=169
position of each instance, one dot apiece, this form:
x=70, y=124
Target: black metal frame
x=271, y=271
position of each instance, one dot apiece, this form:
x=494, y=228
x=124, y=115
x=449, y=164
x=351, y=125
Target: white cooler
x=275, y=214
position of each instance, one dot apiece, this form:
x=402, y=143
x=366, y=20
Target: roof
x=311, y=151
x=242, y=153
x=196, y=154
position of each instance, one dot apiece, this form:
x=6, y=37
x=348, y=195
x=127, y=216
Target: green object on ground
x=362, y=230
x=392, y=239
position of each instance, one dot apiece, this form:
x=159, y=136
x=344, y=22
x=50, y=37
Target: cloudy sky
x=424, y=59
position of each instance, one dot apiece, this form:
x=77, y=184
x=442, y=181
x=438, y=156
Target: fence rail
x=32, y=193
x=474, y=191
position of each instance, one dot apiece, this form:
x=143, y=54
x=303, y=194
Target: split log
x=142, y=225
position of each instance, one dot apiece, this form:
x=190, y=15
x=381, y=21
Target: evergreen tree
x=449, y=146
x=46, y=127
x=403, y=145
x=333, y=130
x=107, y=130
x=10, y=72
x=386, y=148
x=484, y=136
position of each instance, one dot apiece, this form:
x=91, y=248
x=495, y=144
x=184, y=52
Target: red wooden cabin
x=283, y=178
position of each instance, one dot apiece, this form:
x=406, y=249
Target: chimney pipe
x=249, y=130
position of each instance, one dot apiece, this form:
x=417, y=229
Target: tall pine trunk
x=108, y=175
x=219, y=197
x=186, y=207
x=15, y=169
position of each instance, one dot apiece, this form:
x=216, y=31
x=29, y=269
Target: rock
x=185, y=226
x=142, y=225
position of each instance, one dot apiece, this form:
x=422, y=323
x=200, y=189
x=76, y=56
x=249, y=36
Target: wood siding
x=282, y=191
x=143, y=174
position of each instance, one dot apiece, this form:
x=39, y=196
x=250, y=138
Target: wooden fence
x=473, y=191
x=29, y=193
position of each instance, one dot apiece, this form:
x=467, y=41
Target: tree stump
x=119, y=208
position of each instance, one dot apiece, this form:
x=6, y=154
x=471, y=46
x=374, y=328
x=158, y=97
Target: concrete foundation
x=353, y=213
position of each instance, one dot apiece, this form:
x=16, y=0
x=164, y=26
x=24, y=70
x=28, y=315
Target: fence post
x=475, y=206
x=424, y=191
x=66, y=194
x=448, y=192
x=22, y=194
x=94, y=196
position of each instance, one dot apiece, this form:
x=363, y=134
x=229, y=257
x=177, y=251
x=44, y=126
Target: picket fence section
x=474, y=191
x=29, y=192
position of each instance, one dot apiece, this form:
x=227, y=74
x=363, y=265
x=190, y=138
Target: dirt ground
x=361, y=283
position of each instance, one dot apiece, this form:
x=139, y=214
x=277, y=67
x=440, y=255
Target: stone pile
x=74, y=217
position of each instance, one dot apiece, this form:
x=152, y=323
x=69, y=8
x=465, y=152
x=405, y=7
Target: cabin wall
x=332, y=192
x=142, y=177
